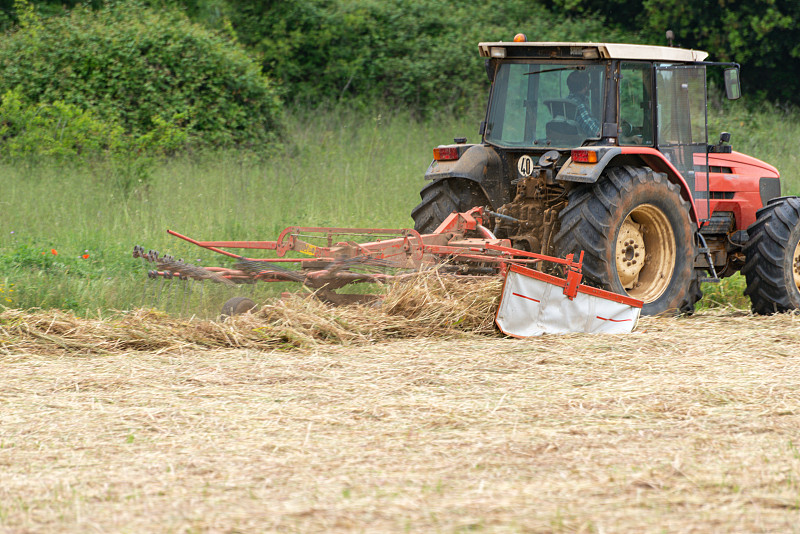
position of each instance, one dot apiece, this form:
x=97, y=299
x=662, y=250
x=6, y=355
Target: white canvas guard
x=534, y=303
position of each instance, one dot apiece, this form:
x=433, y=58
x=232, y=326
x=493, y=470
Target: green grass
x=729, y=293
x=767, y=132
x=339, y=168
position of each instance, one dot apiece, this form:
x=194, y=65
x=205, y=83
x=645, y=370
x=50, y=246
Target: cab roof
x=544, y=50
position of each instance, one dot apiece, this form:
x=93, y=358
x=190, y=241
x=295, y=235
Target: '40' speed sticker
x=525, y=165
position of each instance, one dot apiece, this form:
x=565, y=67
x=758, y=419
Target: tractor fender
x=480, y=164
x=588, y=173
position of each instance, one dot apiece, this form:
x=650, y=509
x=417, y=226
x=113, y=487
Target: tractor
x=603, y=148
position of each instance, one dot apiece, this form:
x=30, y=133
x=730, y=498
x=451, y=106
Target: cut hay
x=687, y=425
x=424, y=306
x=430, y=305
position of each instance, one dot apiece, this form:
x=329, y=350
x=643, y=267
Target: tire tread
x=585, y=224
x=441, y=198
x=769, y=287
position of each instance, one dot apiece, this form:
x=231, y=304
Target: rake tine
x=152, y=276
x=171, y=286
x=145, y=284
x=157, y=293
x=186, y=292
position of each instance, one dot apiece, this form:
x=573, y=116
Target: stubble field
x=686, y=425
x=307, y=420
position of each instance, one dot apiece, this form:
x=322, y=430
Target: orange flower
x=85, y=256
x=54, y=252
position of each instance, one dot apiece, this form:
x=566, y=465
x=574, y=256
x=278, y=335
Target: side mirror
x=721, y=147
x=732, y=90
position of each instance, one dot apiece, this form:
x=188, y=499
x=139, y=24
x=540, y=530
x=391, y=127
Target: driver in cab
x=578, y=85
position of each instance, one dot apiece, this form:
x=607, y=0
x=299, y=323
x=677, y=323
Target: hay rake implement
x=328, y=259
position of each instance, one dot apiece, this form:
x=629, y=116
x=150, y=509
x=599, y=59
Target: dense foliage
x=54, y=129
x=762, y=35
x=417, y=53
x=141, y=68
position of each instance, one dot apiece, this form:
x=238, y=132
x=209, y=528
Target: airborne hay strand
x=424, y=306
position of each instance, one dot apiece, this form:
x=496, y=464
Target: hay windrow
x=425, y=306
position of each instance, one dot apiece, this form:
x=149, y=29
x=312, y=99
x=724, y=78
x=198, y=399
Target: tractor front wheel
x=637, y=237
x=441, y=198
x=772, y=264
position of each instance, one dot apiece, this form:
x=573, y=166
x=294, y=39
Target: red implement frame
x=461, y=244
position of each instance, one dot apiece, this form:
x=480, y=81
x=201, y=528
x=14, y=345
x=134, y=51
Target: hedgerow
x=133, y=66
x=418, y=54
x=54, y=129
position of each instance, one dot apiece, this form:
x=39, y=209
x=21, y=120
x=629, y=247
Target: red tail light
x=445, y=153
x=584, y=156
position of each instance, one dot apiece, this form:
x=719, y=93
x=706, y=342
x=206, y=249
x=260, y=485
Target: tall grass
x=339, y=168
x=766, y=131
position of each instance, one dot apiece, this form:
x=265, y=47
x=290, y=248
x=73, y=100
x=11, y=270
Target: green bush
x=56, y=129
x=421, y=54
x=141, y=68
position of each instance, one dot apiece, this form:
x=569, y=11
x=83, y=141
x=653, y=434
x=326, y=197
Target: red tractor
x=603, y=148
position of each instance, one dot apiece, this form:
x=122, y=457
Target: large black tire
x=772, y=252
x=236, y=306
x=637, y=237
x=441, y=198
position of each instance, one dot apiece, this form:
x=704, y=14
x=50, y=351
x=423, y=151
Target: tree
x=420, y=54
x=759, y=34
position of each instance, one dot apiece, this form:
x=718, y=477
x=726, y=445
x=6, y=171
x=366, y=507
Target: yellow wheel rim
x=796, y=266
x=645, y=253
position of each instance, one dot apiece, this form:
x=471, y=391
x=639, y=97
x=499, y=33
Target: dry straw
x=686, y=425
x=427, y=305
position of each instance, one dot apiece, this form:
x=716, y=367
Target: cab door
x=681, y=121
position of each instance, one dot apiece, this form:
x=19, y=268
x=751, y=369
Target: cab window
x=635, y=104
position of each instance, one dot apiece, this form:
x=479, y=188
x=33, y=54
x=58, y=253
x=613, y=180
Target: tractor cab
x=532, y=105
x=565, y=95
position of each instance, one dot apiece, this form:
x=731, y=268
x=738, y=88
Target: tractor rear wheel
x=441, y=198
x=772, y=264
x=637, y=237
